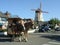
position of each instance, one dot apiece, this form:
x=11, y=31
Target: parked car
x=57, y=29
x=44, y=28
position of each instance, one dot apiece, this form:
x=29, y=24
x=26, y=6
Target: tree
x=54, y=21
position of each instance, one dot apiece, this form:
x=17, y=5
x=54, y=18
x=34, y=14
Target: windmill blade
x=44, y=12
x=33, y=9
x=40, y=5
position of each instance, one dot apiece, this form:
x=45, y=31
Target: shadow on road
x=52, y=37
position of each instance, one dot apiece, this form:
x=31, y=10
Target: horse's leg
x=26, y=35
x=13, y=37
x=20, y=37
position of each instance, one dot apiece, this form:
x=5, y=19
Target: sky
x=22, y=8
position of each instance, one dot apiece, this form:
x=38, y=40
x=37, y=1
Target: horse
x=15, y=28
x=24, y=27
x=21, y=26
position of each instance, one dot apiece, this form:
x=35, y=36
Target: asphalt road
x=36, y=39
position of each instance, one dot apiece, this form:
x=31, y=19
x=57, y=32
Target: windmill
x=38, y=14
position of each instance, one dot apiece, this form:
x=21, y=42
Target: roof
x=11, y=16
x=2, y=15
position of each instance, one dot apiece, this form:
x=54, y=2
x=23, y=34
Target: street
x=36, y=39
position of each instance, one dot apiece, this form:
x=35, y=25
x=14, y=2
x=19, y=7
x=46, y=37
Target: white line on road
x=54, y=43
x=45, y=44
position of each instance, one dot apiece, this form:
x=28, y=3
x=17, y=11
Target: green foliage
x=54, y=21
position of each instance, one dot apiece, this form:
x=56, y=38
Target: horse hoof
x=25, y=40
x=20, y=40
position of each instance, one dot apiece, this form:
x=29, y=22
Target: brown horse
x=26, y=27
x=20, y=26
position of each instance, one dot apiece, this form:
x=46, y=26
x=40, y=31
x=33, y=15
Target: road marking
x=45, y=44
x=54, y=43
x=49, y=43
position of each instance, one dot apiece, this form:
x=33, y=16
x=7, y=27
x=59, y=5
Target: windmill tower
x=38, y=14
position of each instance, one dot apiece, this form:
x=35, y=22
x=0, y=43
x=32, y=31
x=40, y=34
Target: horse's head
x=29, y=24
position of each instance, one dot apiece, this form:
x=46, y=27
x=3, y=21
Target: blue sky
x=22, y=8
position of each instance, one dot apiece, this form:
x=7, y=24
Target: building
x=3, y=20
